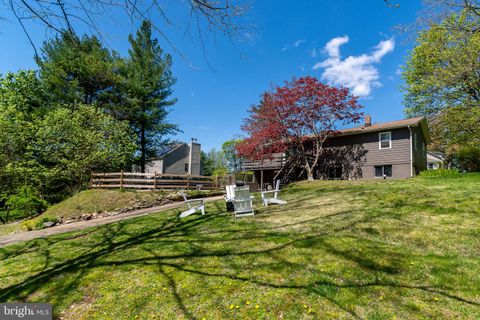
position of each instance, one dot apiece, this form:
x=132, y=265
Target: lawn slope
x=100, y=201
x=342, y=249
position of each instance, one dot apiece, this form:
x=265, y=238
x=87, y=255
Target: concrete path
x=29, y=235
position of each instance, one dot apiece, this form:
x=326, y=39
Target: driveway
x=29, y=235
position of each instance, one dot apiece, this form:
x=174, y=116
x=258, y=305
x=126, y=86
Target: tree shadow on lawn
x=212, y=236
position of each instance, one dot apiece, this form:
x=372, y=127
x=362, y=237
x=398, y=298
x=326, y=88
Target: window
x=383, y=171
x=430, y=166
x=334, y=172
x=186, y=167
x=385, y=140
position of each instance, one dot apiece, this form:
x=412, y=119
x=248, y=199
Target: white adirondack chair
x=193, y=205
x=267, y=198
x=243, y=202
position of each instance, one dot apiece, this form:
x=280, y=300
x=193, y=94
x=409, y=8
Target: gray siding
x=399, y=171
x=155, y=166
x=369, y=155
x=174, y=162
x=398, y=154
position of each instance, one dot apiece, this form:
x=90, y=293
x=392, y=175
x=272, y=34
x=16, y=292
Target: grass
x=96, y=200
x=338, y=250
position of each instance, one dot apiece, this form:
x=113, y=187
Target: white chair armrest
x=270, y=191
x=195, y=200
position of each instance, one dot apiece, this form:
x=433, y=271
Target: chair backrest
x=277, y=185
x=242, y=201
x=230, y=189
x=185, y=198
x=183, y=195
x=277, y=189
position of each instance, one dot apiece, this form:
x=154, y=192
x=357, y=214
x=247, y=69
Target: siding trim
x=411, y=152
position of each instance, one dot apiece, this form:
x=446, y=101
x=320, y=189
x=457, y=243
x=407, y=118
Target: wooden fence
x=153, y=181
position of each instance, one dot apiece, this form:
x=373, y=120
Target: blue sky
x=350, y=43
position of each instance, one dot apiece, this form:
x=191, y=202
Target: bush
x=29, y=225
x=439, y=173
x=25, y=204
x=469, y=158
x=39, y=222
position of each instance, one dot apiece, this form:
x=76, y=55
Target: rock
x=48, y=224
x=86, y=216
x=69, y=221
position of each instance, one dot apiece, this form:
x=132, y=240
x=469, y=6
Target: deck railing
x=277, y=162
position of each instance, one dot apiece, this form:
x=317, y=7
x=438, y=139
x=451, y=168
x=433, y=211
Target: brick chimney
x=368, y=120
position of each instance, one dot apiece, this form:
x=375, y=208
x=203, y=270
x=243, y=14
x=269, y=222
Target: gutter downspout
x=411, y=152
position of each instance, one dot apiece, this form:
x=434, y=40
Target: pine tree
x=78, y=69
x=145, y=92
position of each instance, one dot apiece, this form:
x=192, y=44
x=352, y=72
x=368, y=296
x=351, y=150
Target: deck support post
x=261, y=180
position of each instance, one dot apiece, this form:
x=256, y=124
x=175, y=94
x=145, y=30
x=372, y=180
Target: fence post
x=154, y=180
x=188, y=181
x=121, y=179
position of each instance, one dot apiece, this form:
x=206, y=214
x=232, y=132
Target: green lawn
x=369, y=250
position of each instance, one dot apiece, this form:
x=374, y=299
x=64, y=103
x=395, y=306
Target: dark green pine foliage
x=145, y=93
x=78, y=69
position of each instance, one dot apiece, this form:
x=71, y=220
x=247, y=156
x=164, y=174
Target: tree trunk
x=310, y=175
x=143, y=148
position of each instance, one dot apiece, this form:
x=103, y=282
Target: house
x=391, y=150
x=434, y=160
x=180, y=158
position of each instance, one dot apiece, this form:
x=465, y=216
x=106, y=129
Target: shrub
x=29, y=225
x=469, y=158
x=25, y=203
x=439, y=173
x=39, y=222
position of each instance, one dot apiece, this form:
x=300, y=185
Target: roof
x=164, y=151
x=411, y=122
x=435, y=154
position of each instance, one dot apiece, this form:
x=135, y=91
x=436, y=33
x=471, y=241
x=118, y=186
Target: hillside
x=97, y=203
x=341, y=249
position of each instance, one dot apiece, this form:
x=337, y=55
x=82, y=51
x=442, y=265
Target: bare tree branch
x=71, y=15
x=397, y=5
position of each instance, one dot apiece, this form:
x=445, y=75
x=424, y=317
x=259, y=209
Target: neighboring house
x=392, y=150
x=181, y=158
x=434, y=160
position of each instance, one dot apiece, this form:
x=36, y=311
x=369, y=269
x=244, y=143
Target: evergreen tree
x=81, y=70
x=145, y=93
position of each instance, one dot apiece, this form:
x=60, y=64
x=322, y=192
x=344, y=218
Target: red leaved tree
x=298, y=118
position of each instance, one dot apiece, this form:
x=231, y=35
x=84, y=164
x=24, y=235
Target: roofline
x=169, y=152
x=421, y=122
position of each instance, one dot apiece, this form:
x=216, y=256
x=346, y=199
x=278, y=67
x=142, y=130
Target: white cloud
x=298, y=43
x=332, y=48
x=313, y=53
x=355, y=72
